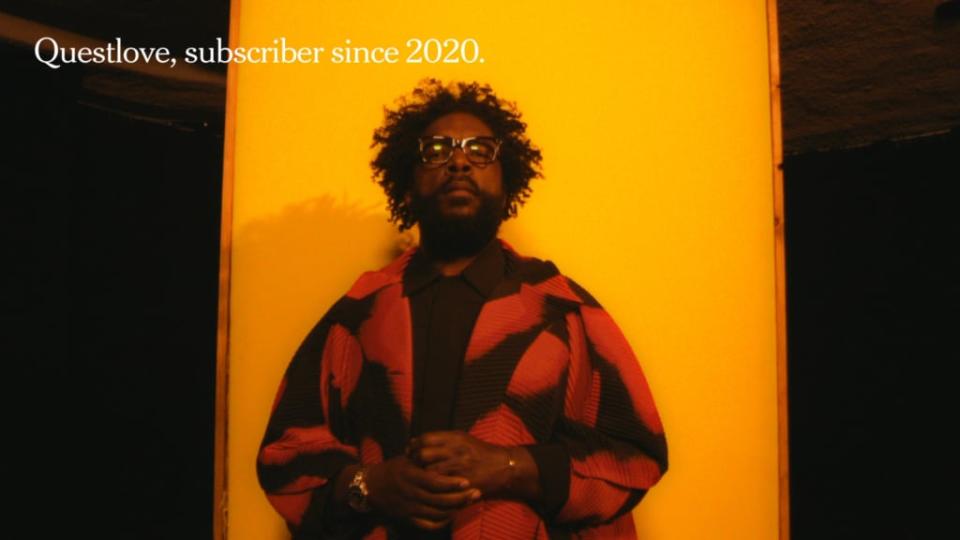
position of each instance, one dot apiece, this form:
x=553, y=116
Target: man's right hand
x=401, y=489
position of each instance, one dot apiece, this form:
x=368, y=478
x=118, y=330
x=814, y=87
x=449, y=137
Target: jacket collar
x=484, y=273
x=532, y=277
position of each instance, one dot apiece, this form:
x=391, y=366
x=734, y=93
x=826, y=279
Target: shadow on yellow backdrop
x=654, y=119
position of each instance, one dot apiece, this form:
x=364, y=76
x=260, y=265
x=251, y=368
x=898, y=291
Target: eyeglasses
x=437, y=150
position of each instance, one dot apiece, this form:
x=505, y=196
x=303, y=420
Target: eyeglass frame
x=462, y=145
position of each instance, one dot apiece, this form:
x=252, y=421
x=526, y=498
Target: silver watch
x=357, y=491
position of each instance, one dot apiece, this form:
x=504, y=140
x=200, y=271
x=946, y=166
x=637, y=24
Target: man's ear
x=408, y=198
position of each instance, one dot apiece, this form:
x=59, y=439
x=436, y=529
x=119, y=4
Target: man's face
x=459, y=204
x=458, y=185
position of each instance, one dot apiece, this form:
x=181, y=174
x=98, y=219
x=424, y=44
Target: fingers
x=448, y=501
x=437, y=438
x=427, y=512
x=426, y=498
x=429, y=525
x=453, y=467
x=438, y=506
x=438, y=446
x=437, y=483
x=432, y=454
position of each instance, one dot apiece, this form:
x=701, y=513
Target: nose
x=458, y=161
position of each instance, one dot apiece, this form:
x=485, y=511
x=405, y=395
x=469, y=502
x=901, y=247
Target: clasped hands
x=440, y=473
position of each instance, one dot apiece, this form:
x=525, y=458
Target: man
x=462, y=391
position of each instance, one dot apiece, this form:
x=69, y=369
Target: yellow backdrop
x=654, y=121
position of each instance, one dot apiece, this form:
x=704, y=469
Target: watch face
x=356, y=498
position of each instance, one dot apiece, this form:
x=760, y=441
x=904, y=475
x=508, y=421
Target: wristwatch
x=357, y=491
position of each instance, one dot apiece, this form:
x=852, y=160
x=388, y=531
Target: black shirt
x=444, y=310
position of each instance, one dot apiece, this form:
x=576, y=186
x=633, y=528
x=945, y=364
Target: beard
x=452, y=237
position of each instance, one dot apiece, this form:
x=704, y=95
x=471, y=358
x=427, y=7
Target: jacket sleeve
x=610, y=424
x=307, y=441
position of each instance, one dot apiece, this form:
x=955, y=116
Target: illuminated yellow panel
x=654, y=121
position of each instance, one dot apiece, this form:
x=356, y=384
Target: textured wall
x=858, y=72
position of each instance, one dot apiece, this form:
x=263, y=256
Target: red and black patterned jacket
x=545, y=363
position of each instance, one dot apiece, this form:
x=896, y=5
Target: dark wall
x=871, y=107
x=112, y=264
x=872, y=292
x=855, y=73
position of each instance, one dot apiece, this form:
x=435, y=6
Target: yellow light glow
x=654, y=122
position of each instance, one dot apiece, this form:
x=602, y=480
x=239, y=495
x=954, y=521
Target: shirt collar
x=483, y=274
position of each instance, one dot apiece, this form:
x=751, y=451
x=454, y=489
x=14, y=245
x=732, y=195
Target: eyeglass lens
x=477, y=149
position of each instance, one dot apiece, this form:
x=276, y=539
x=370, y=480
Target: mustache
x=460, y=182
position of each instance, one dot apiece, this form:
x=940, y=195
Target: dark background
x=113, y=186
x=112, y=180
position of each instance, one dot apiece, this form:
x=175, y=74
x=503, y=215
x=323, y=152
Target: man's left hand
x=487, y=466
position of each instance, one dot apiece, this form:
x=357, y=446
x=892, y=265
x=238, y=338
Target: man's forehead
x=458, y=124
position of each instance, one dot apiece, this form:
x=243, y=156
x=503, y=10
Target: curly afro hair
x=397, y=140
